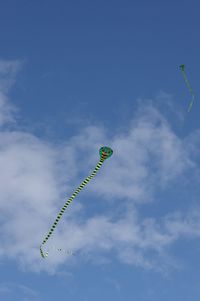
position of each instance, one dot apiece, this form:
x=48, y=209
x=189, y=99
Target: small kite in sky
x=182, y=67
x=104, y=152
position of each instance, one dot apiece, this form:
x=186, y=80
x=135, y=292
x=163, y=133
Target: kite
x=182, y=67
x=104, y=152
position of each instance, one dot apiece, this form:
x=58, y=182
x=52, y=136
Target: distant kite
x=104, y=152
x=182, y=67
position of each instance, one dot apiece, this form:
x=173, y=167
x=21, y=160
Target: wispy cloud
x=8, y=73
x=37, y=175
x=17, y=290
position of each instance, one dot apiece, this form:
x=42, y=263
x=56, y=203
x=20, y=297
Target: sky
x=76, y=76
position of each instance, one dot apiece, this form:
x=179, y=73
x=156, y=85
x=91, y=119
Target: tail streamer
x=104, y=152
x=182, y=67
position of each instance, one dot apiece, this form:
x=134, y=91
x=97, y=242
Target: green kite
x=182, y=67
x=104, y=152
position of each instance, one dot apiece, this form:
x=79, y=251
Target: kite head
x=105, y=152
x=182, y=67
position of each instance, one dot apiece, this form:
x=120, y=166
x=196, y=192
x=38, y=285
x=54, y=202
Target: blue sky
x=74, y=76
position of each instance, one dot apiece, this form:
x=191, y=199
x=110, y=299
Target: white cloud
x=149, y=156
x=36, y=176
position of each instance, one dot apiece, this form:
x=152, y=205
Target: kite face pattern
x=182, y=67
x=105, y=152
